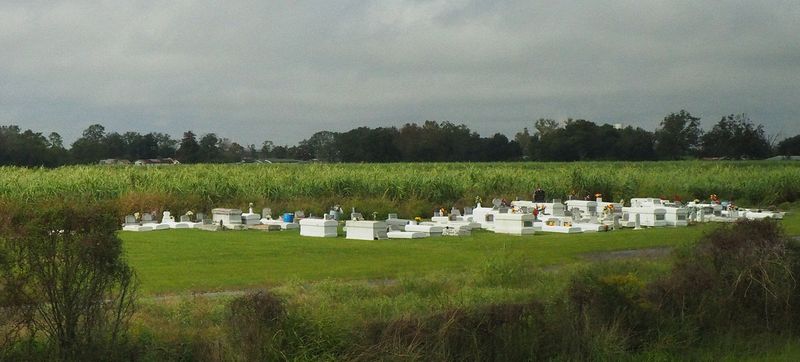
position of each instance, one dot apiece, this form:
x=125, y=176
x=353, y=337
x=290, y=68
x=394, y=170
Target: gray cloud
x=282, y=70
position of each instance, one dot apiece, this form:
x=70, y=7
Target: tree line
x=679, y=136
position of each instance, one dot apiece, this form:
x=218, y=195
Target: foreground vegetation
x=485, y=297
x=410, y=189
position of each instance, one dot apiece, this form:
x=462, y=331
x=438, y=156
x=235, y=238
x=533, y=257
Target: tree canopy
x=679, y=136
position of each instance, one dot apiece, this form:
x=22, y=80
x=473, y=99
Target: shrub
x=609, y=310
x=254, y=325
x=739, y=276
x=66, y=263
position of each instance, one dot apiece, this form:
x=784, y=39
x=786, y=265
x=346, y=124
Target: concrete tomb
x=428, y=230
x=132, y=225
x=251, y=218
x=319, y=228
x=560, y=225
x=514, y=224
x=395, y=223
x=366, y=230
x=267, y=219
x=228, y=218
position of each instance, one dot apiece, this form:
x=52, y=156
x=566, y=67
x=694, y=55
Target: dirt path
x=653, y=253
x=649, y=253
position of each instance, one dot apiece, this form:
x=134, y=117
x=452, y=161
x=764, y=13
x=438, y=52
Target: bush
x=498, y=332
x=254, y=325
x=65, y=261
x=739, y=276
x=609, y=311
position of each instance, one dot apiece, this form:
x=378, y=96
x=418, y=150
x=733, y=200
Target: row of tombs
x=515, y=218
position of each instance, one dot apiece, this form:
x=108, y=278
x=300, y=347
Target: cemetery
x=518, y=218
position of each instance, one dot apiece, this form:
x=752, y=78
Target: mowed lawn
x=172, y=261
x=179, y=261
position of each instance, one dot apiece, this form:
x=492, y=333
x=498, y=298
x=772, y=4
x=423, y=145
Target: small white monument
x=366, y=230
x=267, y=219
x=319, y=228
x=396, y=223
x=514, y=224
x=231, y=218
x=251, y=218
x=131, y=224
x=587, y=208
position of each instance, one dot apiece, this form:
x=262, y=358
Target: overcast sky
x=281, y=70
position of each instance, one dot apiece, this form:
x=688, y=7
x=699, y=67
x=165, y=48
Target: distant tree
x=280, y=152
x=166, y=146
x=231, y=151
x=789, y=146
x=55, y=140
x=736, y=137
x=252, y=152
x=115, y=145
x=678, y=136
x=90, y=147
x=322, y=146
x=634, y=144
x=544, y=126
x=58, y=154
x=266, y=148
x=526, y=143
x=210, y=148
x=188, y=150
x=26, y=148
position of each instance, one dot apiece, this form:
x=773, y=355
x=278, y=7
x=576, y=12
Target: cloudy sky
x=281, y=70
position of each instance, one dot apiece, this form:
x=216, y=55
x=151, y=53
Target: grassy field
x=335, y=289
x=174, y=261
x=411, y=189
x=194, y=260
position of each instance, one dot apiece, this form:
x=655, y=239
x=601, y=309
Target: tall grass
x=393, y=186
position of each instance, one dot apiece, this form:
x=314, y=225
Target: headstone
x=616, y=224
x=577, y=214
x=167, y=217
x=335, y=212
x=455, y=212
x=266, y=213
x=185, y=218
x=299, y=214
x=356, y=216
x=147, y=218
x=200, y=217
x=637, y=224
x=467, y=210
x=130, y=220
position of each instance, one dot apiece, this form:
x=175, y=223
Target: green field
x=174, y=261
x=411, y=189
x=342, y=299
